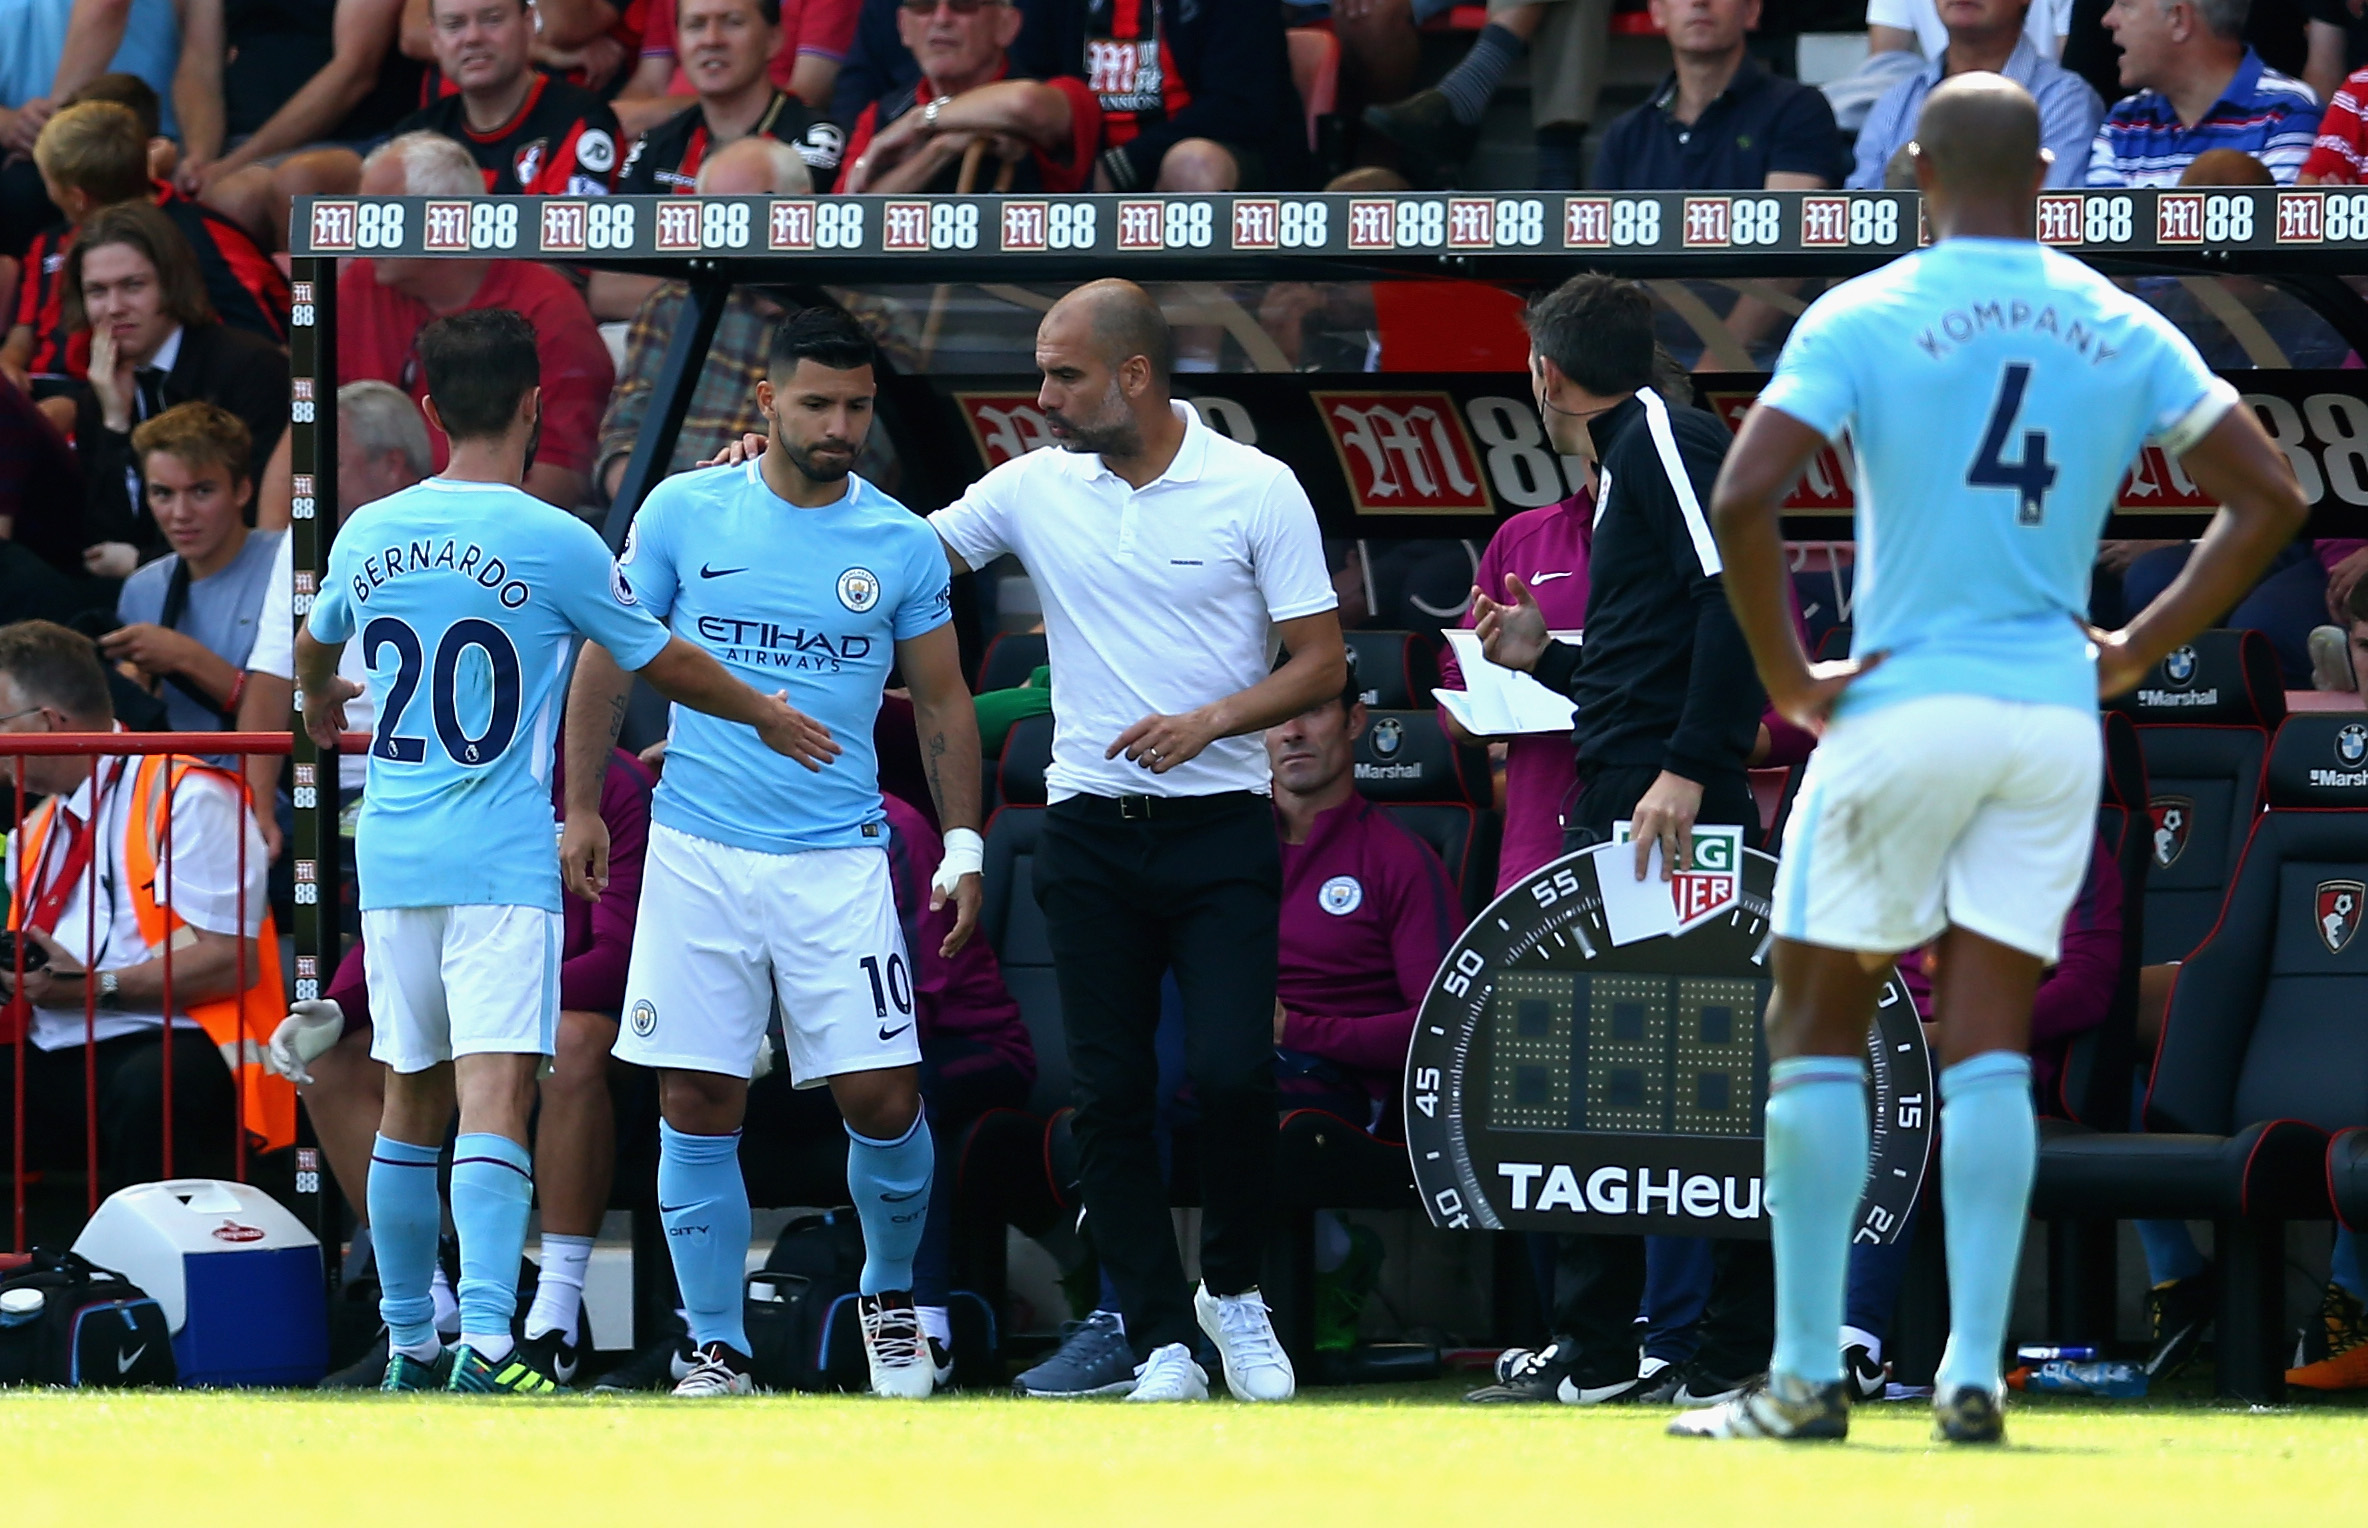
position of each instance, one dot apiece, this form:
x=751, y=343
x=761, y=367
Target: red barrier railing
x=98, y=748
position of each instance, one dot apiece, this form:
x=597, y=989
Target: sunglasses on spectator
x=958, y=7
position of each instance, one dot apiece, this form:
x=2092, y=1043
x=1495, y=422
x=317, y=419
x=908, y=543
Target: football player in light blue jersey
x=763, y=882
x=469, y=595
x=1994, y=392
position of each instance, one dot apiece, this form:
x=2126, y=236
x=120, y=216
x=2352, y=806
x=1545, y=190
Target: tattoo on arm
x=616, y=718
x=935, y=752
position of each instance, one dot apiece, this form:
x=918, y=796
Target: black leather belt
x=1159, y=808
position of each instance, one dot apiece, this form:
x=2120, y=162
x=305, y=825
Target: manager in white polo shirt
x=1170, y=560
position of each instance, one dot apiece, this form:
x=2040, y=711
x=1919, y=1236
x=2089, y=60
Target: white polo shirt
x=1157, y=599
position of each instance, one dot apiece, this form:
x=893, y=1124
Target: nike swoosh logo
x=902, y=1198
x=672, y=1209
x=707, y=572
x=1545, y=578
x=889, y=1034
x=124, y=1361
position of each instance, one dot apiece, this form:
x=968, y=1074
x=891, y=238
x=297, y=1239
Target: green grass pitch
x=1403, y=1455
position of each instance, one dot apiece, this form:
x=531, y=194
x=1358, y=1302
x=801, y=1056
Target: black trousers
x=1194, y=886
x=1599, y=1280
x=130, y=1084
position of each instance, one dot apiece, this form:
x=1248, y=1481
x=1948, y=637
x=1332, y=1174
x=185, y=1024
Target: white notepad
x=1502, y=702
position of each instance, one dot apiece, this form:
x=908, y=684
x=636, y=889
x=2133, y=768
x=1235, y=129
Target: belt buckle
x=1134, y=808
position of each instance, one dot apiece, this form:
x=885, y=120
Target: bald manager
x=1170, y=560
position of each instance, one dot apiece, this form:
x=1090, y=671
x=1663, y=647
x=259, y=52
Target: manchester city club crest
x=2174, y=816
x=1389, y=735
x=645, y=1018
x=859, y=589
x=2351, y=745
x=1341, y=895
x=2178, y=669
x=2339, y=913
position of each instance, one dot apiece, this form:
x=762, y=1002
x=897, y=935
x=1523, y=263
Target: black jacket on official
x=1663, y=677
x=665, y=160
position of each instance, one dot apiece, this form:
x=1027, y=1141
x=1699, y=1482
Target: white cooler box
x=239, y=1278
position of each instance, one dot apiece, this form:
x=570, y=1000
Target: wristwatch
x=110, y=990
x=929, y=114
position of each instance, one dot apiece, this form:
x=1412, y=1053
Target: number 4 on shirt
x=2034, y=474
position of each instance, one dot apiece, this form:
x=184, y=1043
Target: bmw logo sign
x=1389, y=735
x=645, y=1018
x=2179, y=666
x=859, y=589
x=1341, y=895
x=2351, y=744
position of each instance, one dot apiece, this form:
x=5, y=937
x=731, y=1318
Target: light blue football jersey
x=1994, y=392
x=468, y=599
x=812, y=601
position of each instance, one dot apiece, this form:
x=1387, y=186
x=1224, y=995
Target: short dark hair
x=479, y=363
x=57, y=668
x=142, y=227
x=132, y=93
x=826, y=335
x=768, y=10
x=1598, y=331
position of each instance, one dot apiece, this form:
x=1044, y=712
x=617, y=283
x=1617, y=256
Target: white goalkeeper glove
x=965, y=854
x=310, y=1029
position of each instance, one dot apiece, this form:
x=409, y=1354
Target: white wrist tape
x=965, y=854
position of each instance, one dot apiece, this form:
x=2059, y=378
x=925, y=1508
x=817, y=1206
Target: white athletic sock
x=936, y=1321
x=447, y=1304
x=493, y=1347
x=1859, y=1337
x=559, y=1288
x=426, y=1352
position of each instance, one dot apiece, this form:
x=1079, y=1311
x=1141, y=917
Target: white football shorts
x=460, y=981
x=723, y=932
x=1950, y=809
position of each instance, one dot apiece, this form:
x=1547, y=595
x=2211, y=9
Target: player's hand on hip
x=324, y=715
x=1160, y=743
x=311, y=1028
x=1666, y=816
x=793, y=733
x=1512, y=631
x=1809, y=704
x=746, y=449
x=2119, y=666
x=583, y=855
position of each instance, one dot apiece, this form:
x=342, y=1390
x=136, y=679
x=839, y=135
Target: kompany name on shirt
x=1962, y=326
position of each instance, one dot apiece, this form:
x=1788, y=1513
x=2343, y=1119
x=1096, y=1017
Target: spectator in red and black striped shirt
x=527, y=131
x=727, y=45
x=95, y=156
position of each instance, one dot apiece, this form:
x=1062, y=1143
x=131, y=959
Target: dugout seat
x=1436, y=789
x=2204, y=716
x=1009, y=659
x=2261, y=1055
x=1010, y=918
x=1835, y=643
x=1395, y=670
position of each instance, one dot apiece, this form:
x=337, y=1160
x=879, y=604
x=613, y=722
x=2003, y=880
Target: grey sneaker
x=2331, y=660
x=1094, y=1358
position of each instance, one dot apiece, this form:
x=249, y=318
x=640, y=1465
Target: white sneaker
x=1256, y=1367
x=894, y=1346
x=1169, y=1374
x=717, y=1370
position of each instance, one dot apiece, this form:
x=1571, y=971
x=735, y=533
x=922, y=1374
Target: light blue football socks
x=492, y=1195
x=406, y=1216
x=890, y=1184
x=1816, y=1174
x=1989, y=1150
x=704, y=1202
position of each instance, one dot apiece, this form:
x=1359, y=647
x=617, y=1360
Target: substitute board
x=1558, y=1081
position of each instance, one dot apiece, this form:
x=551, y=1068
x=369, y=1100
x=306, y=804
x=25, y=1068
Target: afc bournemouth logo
x=1716, y=881
x=2339, y=913
x=2178, y=668
x=527, y=163
x=2173, y=817
x=645, y=1018
x=859, y=589
x=1404, y=453
x=2351, y=745
x=1341, y=895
